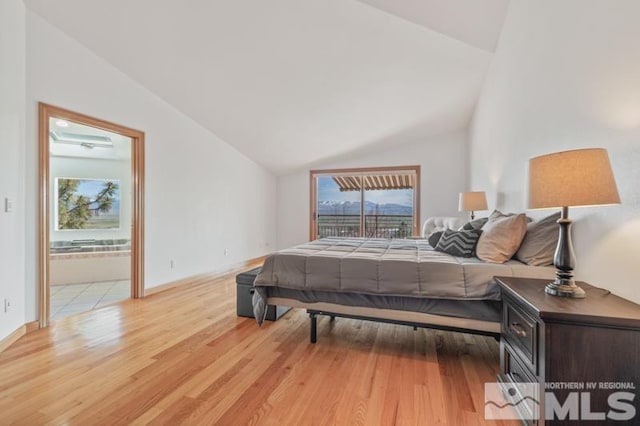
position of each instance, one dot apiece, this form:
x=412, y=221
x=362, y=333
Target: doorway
x=91, y=213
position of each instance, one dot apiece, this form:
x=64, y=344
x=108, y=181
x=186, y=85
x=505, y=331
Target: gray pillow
x=497, y=214
x=539, y=244
x=474, y=224
x=459, y=243
x=434, y=238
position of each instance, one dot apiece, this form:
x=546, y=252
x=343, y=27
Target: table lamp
x=577, y=178
x=472, y=201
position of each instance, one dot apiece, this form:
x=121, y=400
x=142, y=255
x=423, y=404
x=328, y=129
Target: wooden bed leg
x=314, y=327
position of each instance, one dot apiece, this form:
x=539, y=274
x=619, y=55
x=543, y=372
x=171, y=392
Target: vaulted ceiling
x=292, y=82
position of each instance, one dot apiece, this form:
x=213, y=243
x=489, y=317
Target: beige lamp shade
x=472, y=201
x=581, y=177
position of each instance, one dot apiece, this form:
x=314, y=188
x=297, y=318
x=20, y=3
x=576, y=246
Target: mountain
x=353, y=207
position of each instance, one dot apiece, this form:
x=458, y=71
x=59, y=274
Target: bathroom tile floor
x=69, y=299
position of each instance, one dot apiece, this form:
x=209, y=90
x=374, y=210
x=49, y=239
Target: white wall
x=202, y=196
x=12, y=146
x=444, y=173
x=565, y=76
x=93, y=168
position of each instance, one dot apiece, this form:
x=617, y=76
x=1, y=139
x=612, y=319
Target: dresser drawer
x=521, y=331
x=517, y=381
x=517, y=373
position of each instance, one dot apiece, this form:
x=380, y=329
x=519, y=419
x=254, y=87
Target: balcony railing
x=375, y=226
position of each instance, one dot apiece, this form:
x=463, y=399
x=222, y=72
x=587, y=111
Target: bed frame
x=411, y=319
x=470, y=279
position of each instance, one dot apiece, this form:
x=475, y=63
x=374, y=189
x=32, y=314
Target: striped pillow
x=434, y=238
x=459, y=243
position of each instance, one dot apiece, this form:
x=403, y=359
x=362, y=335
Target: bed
x=403, y=281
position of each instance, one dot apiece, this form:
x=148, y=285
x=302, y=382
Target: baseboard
x=199, y=277
x=12, y=338
x=32, y=326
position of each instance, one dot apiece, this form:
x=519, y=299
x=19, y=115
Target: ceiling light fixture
x=62, y=123
x=96, y=141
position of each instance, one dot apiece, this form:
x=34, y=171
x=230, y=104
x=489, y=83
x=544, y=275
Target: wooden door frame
x=45, y=112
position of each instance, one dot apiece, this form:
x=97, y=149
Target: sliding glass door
x=338, y=213
x=371, y=202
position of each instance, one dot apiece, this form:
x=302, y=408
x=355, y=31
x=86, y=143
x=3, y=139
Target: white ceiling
x=477, y=23
x=293, y=82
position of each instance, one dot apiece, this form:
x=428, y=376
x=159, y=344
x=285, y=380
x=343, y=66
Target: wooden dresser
x=567, y=345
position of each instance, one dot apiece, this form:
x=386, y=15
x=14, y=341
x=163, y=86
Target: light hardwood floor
x=183, y=357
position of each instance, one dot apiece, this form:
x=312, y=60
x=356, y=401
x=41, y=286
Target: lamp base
x=565, y=288
x=564, y=261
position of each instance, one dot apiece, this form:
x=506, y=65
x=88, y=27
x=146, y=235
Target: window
x=378, y=202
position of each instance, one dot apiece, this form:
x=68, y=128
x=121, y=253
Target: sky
x=328, y=191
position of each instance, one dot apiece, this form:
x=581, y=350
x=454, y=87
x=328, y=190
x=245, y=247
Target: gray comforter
x=386, y=267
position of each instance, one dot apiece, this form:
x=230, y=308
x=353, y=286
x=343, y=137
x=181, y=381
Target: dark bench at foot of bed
x=244, y=293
